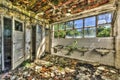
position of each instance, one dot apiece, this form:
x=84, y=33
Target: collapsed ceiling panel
x=54, y=10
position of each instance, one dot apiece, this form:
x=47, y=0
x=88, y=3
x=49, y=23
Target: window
x=94, y=26
x=78, y=23
x=56, y=27
x=78, y=28
x=69, y=25
x=104, y=25
x=104, y=30
x=69, y=33
x=104, y=18
x=18, y=26
x=78, y=33
x=59, y=30
x=90, y=22
x=89, y=32
x=89, y=29
x=62, y=26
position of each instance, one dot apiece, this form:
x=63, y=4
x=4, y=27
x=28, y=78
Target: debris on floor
x=59, y=68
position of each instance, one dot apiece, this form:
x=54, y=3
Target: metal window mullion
x=73, y=28
x=83, y=26
x=96, y=25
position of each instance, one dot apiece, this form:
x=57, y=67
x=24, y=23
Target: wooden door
x=18, y=43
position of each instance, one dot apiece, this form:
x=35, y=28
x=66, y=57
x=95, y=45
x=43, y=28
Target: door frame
x=2, y=25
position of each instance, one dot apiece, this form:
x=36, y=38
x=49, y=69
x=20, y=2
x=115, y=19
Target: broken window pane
x=69, y=25
x=62, y=26
x=104, y=30
x=56, y=27
x=78, y=23
x=105, y=18
x=90, y=32
x=90, y=22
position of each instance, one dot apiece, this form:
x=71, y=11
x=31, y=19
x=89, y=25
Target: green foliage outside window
x=103, y=32
x=70, y=32
x=56, y=27
x=76, y=32
x=56, y=34
x=73, y=33
x=85, y=28
x=90, y=32
x=60, y=34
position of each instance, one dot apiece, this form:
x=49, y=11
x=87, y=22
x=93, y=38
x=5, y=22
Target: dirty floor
x=53, y=67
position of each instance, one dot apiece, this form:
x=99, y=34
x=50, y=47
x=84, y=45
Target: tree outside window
x=104, y=25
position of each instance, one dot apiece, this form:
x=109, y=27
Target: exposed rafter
x=54, y=10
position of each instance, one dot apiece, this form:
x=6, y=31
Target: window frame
x=83, y=28
x=72, y=25
x=110, y=23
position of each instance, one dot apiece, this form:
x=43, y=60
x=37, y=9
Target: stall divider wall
x=18, y=44
x=28, y=40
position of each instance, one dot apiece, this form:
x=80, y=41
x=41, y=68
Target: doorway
x=33, y=42
x=7, y=43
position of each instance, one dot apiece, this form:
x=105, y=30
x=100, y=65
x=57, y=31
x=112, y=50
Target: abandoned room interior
x=59, y=40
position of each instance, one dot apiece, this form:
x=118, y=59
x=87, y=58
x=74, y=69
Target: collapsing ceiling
x=54, y=10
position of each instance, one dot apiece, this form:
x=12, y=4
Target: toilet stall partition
x=18, y=43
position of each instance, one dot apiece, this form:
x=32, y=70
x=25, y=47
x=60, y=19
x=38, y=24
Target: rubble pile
x=59, y=68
